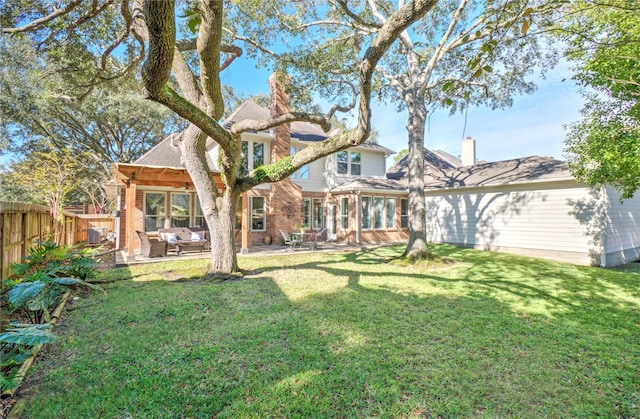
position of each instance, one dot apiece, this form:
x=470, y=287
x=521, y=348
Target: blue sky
x=532, y=126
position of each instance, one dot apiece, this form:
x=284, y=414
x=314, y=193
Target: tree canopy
x=182, y=66
x=604, y=47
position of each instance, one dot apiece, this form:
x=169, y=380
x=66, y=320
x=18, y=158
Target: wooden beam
x=131, y=209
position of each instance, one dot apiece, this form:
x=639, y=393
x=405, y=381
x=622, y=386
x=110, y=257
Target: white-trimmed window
x=306, y=212
x=366, y=212
x=258, y=213
x=303, y=172
x=390, y=209
x=344, y=213
x=378, y=212
x=154, y=210
x=180, y=210
x=252, y=154
x=404, y=213
x=318, y=214
x=348, y=163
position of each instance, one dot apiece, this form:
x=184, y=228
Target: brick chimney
x=285, y=196
x=468, y=152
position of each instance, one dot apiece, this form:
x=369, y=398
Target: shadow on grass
x=379, y=341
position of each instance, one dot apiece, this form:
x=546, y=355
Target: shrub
x=29, y=294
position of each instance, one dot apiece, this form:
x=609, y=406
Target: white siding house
x=532, y=206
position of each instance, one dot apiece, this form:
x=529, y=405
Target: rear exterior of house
x=305, y=200
x=533, y=207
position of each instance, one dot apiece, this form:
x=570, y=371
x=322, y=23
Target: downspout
x=357, y=216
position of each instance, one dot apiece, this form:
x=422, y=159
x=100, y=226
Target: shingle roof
x=526, y=169
x=304, y=131
x=435, y=161
x=168, y=154
x=371, y=183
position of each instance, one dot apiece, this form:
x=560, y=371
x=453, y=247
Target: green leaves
x=24, y=292
x=194, y=19
x=29, y=335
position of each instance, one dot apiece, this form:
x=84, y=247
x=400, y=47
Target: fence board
x=23, y=225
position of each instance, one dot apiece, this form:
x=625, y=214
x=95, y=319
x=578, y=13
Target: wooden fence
x=23, y=225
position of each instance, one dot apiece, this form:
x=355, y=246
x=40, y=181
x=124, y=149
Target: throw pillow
x=172, y=238
x=195, y=236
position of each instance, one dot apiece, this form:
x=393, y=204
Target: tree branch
x=38, y=23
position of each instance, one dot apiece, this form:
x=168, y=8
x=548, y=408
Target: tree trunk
x=218, y=208
x=417, y=246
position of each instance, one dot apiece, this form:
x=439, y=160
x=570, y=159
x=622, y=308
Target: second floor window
x=348, y=163
x=303, y=172
x=252, y=154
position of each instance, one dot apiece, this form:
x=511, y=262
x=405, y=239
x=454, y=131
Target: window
x=318, y=214
x=258, y=155
x=343, y=162
x=404, y=213
x=303, y=172
x=378, y=212
x=391, y=212
x=306, y=212
x=366, y=212
x=252, y=155
x=355, y=163
x=257, y=213
x=199, y=218
x=348, y=163
x=154, y=211
x=180, y=210
x=244, y=155
x=344, y=213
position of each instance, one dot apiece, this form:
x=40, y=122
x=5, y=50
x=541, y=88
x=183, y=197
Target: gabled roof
x=521, y=170
x=304, y=131
x=435, y=161
x=168, y=154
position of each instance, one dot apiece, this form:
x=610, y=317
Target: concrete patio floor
x=122, y=259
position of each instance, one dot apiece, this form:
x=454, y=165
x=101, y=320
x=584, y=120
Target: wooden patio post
x=131, y=207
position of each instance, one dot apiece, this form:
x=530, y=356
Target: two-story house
x=346, y=196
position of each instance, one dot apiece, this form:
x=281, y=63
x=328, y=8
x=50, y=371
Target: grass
x=349, y=335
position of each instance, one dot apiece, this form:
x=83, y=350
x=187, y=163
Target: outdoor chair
x=150, y=246
x=317, y=238
x=290, y=240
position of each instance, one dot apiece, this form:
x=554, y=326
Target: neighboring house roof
x=372, y=184
x=435, y=161
x=522, y=170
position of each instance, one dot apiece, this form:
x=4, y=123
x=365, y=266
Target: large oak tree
x=149, y=29
x=464, y=53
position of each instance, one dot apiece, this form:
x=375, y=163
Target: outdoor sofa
x=185, y=239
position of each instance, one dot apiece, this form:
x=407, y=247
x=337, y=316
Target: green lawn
x=349, y=335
